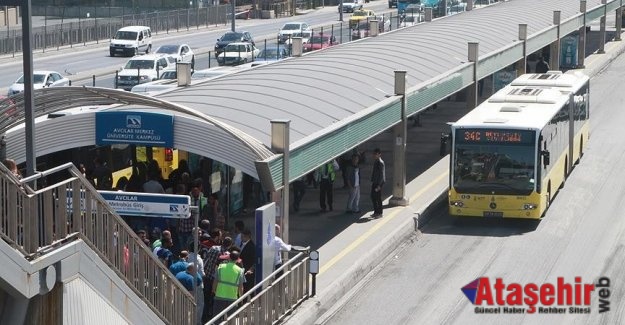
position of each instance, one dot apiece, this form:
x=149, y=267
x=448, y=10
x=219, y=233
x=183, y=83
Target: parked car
x=414, y=9
x=454, y=7
x=320, y=41
x=6, y=105
x=289, y=29
x=351, y=5
x=273, y=53
x=180, y=52
x=362, y=30
x=232, y=37
x=168, y=75
x=305, y=35
x=409, y=20
x=41, y=79
x=144, y=68
x=360, y=15
x=238, y=53
x=128, y=41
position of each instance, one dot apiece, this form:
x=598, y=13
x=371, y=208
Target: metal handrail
x=274, y=309
x=36, y=222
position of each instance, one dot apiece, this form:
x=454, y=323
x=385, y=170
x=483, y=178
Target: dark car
x=232, y=37
x=273, y=53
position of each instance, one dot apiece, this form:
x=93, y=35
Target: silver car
x=181, y=52
x=41, y=79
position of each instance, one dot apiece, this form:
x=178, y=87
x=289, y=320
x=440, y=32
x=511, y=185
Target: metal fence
x=37, y=221
x=81, y=31
x=272, y=299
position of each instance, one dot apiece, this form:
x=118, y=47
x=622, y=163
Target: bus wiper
x=492, y=184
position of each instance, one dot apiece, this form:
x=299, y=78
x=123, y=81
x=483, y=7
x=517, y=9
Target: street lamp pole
x=232, y=2
x=25, y=8
x=340, y=10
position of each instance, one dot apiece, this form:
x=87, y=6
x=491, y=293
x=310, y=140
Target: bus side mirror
x=546, y=156
x=444, y=139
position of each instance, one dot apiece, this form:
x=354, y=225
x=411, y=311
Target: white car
x=238, y=53
x=142, y=69
x=305, y=35
x=128, y=41
x=41, y=79
x=351, y=5
x=410, y=20
x=181, y=52
x=291, y=28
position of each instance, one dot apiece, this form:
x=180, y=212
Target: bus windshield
x=503, y=164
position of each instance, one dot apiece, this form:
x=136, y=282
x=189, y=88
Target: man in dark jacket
x=248, y=255
x=378, y=178
x=542, y=66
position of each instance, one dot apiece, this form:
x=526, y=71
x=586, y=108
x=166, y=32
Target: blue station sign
x=148, y=205
x=142, y=204
x=140, y=128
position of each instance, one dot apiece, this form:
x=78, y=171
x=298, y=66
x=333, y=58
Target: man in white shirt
x=281, y=246
x=353, y=184
x=196, y=259
x=238, y=229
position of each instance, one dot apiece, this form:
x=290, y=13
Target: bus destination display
x=484, y=136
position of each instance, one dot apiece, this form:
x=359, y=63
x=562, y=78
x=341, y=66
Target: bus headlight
x=529, y=206
x=457, y=203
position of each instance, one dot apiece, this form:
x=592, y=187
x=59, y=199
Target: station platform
x=350, y=245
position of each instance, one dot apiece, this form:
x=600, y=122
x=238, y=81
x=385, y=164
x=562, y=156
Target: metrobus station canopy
x=335, y=99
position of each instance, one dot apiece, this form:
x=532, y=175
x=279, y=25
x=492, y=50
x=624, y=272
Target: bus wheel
x=548, y=196
x=566, y=175
x=581, y=150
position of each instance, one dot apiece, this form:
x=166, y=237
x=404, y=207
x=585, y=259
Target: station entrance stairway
x=68, y=258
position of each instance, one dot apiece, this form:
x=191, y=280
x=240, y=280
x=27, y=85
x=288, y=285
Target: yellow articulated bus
x=511, y=154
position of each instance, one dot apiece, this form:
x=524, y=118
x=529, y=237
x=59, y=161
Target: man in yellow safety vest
x=228, y=283
x=325, y=177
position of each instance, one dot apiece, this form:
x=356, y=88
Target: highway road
x=94, y=59
x=582, y=235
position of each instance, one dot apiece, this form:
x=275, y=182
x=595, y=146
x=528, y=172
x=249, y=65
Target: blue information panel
x=265, y=217
x=568, y=51
x=146, y=129
x=503, y=78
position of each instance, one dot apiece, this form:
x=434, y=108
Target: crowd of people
x=222, y=270
x=225, y=265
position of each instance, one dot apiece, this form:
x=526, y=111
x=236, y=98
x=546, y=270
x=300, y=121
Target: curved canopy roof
x=324, y=87
x=341, y=96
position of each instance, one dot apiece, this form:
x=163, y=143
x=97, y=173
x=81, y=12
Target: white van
x=128, y=41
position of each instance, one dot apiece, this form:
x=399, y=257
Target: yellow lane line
x=375, y=228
